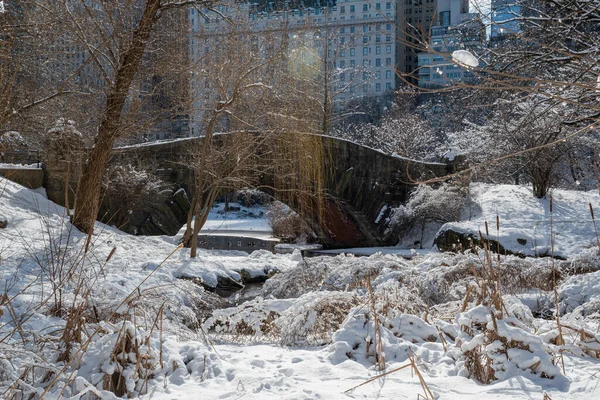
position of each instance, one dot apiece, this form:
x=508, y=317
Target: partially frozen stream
x=249, y=292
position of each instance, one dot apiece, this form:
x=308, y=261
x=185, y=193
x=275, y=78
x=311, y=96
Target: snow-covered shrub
x=12, y=140
x=429, y=205
x=341, y=273
x=358, y=337
x=287, y=224
x=252, y=197
x=448, y=276
x=489, y=348
x=64, y=141
x=314, y=317
x=580, y=295
x=127, y=188
x=295, y=282
x=396, y=293
x=251, y=321
x=131, y=361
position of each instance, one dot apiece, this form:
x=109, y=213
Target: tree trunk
x=88, y=197
x=201, y=201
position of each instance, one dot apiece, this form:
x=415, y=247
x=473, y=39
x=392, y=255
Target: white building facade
x=360, y=44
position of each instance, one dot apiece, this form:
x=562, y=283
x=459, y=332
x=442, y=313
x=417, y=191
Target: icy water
x=248, y=293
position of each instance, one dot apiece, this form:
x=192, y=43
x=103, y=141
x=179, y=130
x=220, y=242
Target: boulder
x=3, y=222
x=452, y=240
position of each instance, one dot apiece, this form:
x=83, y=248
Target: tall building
x=364, y=47
x=457, y=32
x=504, y=18
x=417, y=17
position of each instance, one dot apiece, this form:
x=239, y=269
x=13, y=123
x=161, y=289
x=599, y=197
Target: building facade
x=455, y=32
x=366, y=49
x=505, y=22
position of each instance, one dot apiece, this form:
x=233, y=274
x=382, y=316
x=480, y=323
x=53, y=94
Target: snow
x=367, y=251
x=306, y=336
x=465, y=57
x=244, y=221
x=524, y=217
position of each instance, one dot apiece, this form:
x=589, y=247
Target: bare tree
x=116, y=36
x=533, y=96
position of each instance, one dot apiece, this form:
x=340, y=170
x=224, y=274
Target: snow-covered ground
x=524, y=217
x=134, y=323
x=243, y=221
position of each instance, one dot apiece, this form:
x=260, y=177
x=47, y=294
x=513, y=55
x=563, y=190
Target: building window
x=388, y=49
x=378, y=38
x=342, y=53
x=365, y=51
x=377, y=49
x=365, y=28
x=378, y=87
x=365, y=76
x=342, y=30
x=444, y=18
x=342, y=40
x=365, y=39
x=388, y=27
x=351, y=8
x=378, y=6
x=388, y=38
x=378, y=62
x=388, y=74
x=351, y=29
x=377, y=74
x=388, y=61
x=342, y=76
x=388, y=86
x=366, y=63
x=388, y=5
x=342, y=9
x=342, y=64
x=365, y=7
x=352, y=51
x=365, y=87
x=352, y=64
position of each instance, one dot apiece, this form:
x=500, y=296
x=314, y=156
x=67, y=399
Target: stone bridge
x=361, y=187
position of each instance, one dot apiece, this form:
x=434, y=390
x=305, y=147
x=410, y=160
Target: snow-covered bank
x=121, y=318
x=526, y=222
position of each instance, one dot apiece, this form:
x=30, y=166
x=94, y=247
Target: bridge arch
x=360, y=185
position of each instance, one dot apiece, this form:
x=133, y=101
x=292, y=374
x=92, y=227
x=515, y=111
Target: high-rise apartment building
x=364, y=46
x=505, y=15
x=457, y=32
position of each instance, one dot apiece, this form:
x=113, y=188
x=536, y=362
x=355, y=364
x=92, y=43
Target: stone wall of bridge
x=360, y=182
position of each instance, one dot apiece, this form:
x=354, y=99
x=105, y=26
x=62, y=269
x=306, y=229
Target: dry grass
x=427, y=393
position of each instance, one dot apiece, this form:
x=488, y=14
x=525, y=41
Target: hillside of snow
x=526, y=222
x=134, y=317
